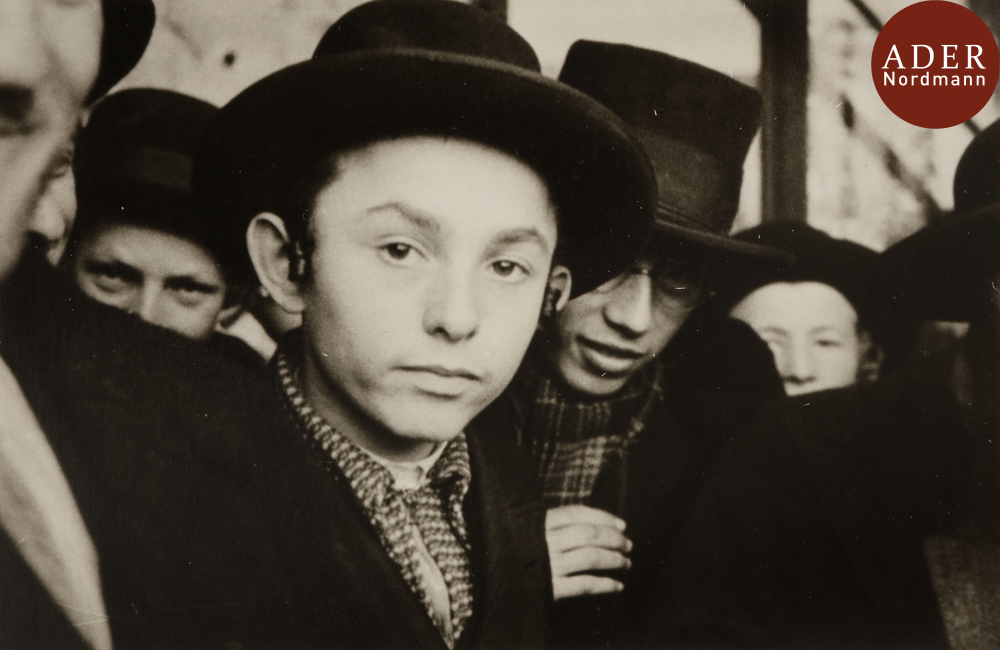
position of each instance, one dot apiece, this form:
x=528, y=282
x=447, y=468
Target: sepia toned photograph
x=500, y=324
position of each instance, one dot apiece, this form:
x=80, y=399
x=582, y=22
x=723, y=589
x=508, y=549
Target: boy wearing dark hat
x=137, y=243
x=623, y=407
x=817, y=314
x=415, y=191
x=867, y=517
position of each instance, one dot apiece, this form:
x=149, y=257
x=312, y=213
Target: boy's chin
x=430, y=425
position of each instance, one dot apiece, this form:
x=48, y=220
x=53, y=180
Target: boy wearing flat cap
x=624, y=402
x=415, y=191
x=867, y=517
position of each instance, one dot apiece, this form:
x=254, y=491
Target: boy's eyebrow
x=190, y=283
x=505, y=238
x=114, y=268
x=519, y=236
x=410, y=214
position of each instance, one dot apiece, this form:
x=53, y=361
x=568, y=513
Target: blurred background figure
x=127, y=32
x=816, y=315
x=137, y=243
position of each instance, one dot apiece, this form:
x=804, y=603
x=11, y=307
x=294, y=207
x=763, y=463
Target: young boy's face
x=430, y=265
x=164, y=279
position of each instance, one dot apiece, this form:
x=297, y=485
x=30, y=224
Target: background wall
x=871, y=177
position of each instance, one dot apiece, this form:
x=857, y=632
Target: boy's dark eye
x=504, y=268
x=398, y=251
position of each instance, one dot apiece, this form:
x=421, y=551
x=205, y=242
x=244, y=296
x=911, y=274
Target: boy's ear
x=269, y=247
x=560, y=285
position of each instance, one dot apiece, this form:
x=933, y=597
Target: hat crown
x=977, y=177
x=142, y=135
x=133, y=163
x=844, y=265
x=435, y=25
x=696, y=125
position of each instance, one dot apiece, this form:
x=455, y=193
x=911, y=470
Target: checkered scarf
x=435, y=509
x=575, y=440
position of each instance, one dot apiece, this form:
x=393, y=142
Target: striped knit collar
x=370, y=480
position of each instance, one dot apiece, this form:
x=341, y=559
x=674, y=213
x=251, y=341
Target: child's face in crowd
x=609, y=334
x=431, y=262
x=811, y=328
x=49, y=54
x=164, y=279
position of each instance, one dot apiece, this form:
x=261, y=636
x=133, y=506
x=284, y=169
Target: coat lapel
x=350, y=589
x=506, y=520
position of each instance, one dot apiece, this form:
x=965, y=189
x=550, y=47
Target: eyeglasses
x=675, y=284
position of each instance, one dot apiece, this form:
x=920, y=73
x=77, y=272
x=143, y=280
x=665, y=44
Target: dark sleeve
x=809, y=530
x=724, y=372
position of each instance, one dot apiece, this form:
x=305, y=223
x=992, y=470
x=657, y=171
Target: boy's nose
x=451, y=311
x=630, y=306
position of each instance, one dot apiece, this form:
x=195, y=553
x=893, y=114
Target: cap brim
x=943, y=272
x=269, y=137
x=128, y=26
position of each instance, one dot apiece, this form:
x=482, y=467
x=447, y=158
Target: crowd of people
x=409, y=345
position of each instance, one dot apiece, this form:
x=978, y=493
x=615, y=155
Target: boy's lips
x=609, y=359
x=442, y=381
x=443, y=371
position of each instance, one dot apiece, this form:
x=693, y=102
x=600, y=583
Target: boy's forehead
x=424, y=179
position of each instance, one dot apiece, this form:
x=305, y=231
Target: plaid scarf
x=433, y=511
x=574, y=440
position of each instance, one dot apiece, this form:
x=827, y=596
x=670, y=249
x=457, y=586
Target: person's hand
x=582, y=540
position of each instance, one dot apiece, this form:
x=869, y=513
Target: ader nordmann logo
x=935, y=64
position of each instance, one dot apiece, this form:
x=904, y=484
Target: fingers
x=581, y=541
x=586, y=560
x=584, y=585
x=568, y=538
x=570, y=515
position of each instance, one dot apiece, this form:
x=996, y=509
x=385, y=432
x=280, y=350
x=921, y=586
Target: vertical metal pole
x=784, y=83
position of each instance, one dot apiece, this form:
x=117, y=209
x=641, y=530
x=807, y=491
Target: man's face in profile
x=49, y=56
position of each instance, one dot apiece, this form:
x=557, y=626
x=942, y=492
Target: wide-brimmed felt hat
x=944, y=271
x=696, y=125
x=128, y=26
x=132, y=165
x=396, y=68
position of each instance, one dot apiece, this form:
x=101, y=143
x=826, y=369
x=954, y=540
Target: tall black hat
x=943, y=272
x=696, y=125
x=394, y=68
x=128, y=26
x=133, y=165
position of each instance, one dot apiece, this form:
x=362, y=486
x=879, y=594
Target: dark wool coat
x=213, y=525
x=355, y=596
x=169, y=453
x=718, y=374
x=810, y=532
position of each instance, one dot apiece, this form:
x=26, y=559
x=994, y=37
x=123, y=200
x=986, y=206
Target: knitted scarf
x=576, y=440
x=434, y=511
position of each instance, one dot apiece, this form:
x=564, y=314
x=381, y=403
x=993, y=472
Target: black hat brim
x=943, y=272
x=128, y=26
x=273, y=134
x=725, y=247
